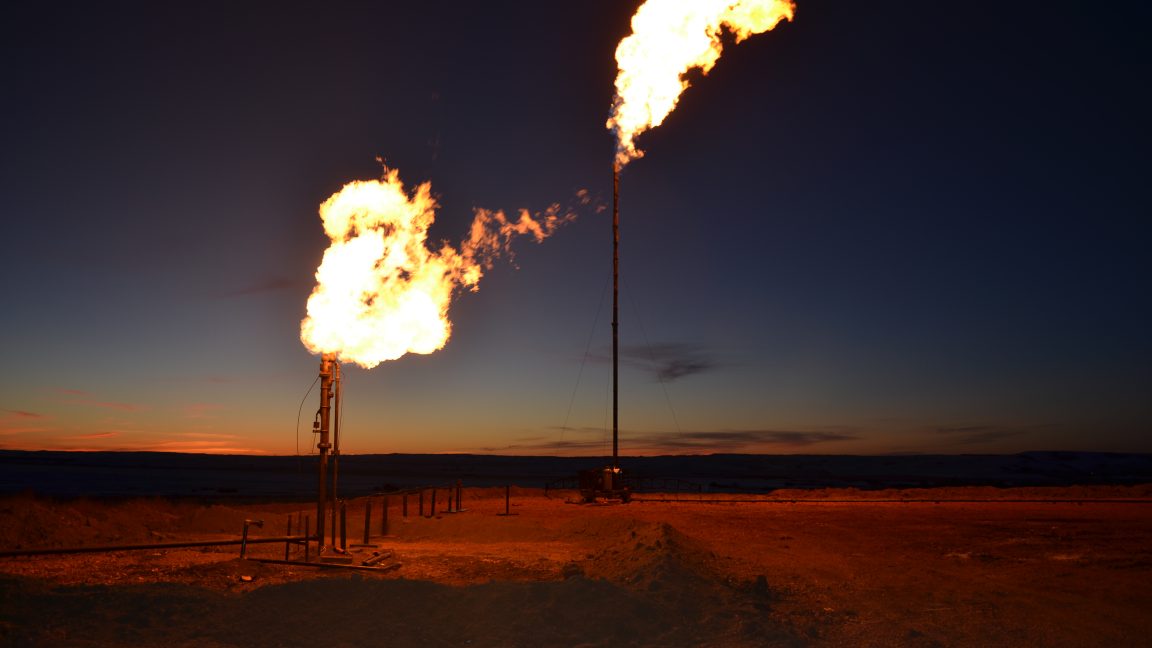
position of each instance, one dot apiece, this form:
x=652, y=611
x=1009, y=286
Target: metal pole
x=433, y=507
x=287, y=545
x=244, y=537
x=615, y=313
x=138, y=547
x=344, y=526
x=507, y=499
x=326, y=362
x=336, y=392
x=459, y=495
x=367, y=518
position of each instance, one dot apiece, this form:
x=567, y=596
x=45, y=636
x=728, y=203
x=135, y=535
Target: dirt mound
x=653, y=556
x=661, y=564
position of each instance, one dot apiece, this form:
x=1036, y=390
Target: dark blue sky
x=883, y=227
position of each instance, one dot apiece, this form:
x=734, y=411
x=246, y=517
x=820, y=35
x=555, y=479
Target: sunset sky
x=881, y=228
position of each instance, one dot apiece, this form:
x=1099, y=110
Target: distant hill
x=71, y=474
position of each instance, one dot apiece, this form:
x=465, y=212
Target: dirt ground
x=792, y=569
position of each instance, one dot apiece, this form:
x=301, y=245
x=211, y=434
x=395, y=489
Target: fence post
x=384, y=517
x=343, y=525
x=288, y=543
x=367, y=517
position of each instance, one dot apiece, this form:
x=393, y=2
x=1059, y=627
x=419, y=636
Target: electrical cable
x=583, y=360
x=300, y=411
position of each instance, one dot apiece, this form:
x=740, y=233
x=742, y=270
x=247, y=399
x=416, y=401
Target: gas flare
x=381, y=292
x=670, y=37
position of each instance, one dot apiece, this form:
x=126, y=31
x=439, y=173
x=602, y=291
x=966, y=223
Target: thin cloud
x=730, y=440
x=24, y=414
x=578, y=430
x=22, y=422
x=963, y=429
x=206, y=447
x=559, y=447
x=666, y=362
x=95, y=435
x=72, y=392
x=969, y=435
x=701, y=442
x=123, y=407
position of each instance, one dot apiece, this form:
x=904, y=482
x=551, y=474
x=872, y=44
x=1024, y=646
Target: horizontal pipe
x=162, y=545
x=691, y=500
x=323, y=565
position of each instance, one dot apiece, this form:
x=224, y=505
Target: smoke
x=669, y=38
x=381, y=291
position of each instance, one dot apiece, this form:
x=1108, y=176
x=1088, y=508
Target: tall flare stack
x=329, y=390
x=669, y=39
x=615, y=315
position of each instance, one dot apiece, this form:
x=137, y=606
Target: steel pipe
x=158, y=545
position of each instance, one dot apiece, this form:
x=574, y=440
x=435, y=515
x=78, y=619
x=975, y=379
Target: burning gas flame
x=380, y=291
x=670, y=37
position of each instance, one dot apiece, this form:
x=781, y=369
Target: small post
x=459, y=495
x=244, y=538
x=367, y=517
x=343, y=525
x=421, y=502
x=451, y=499
x=507, y=499
x=433, y=506
x=384, y=517
x=288, y=543
x=307, y=542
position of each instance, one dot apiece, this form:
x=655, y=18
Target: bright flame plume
x=670, y=37
x=380, y=291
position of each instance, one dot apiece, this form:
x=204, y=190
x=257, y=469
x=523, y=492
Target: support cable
x=584, y=360
x=299, y=413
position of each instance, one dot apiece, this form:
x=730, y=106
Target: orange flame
x=380, y=291
x=670, y=37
